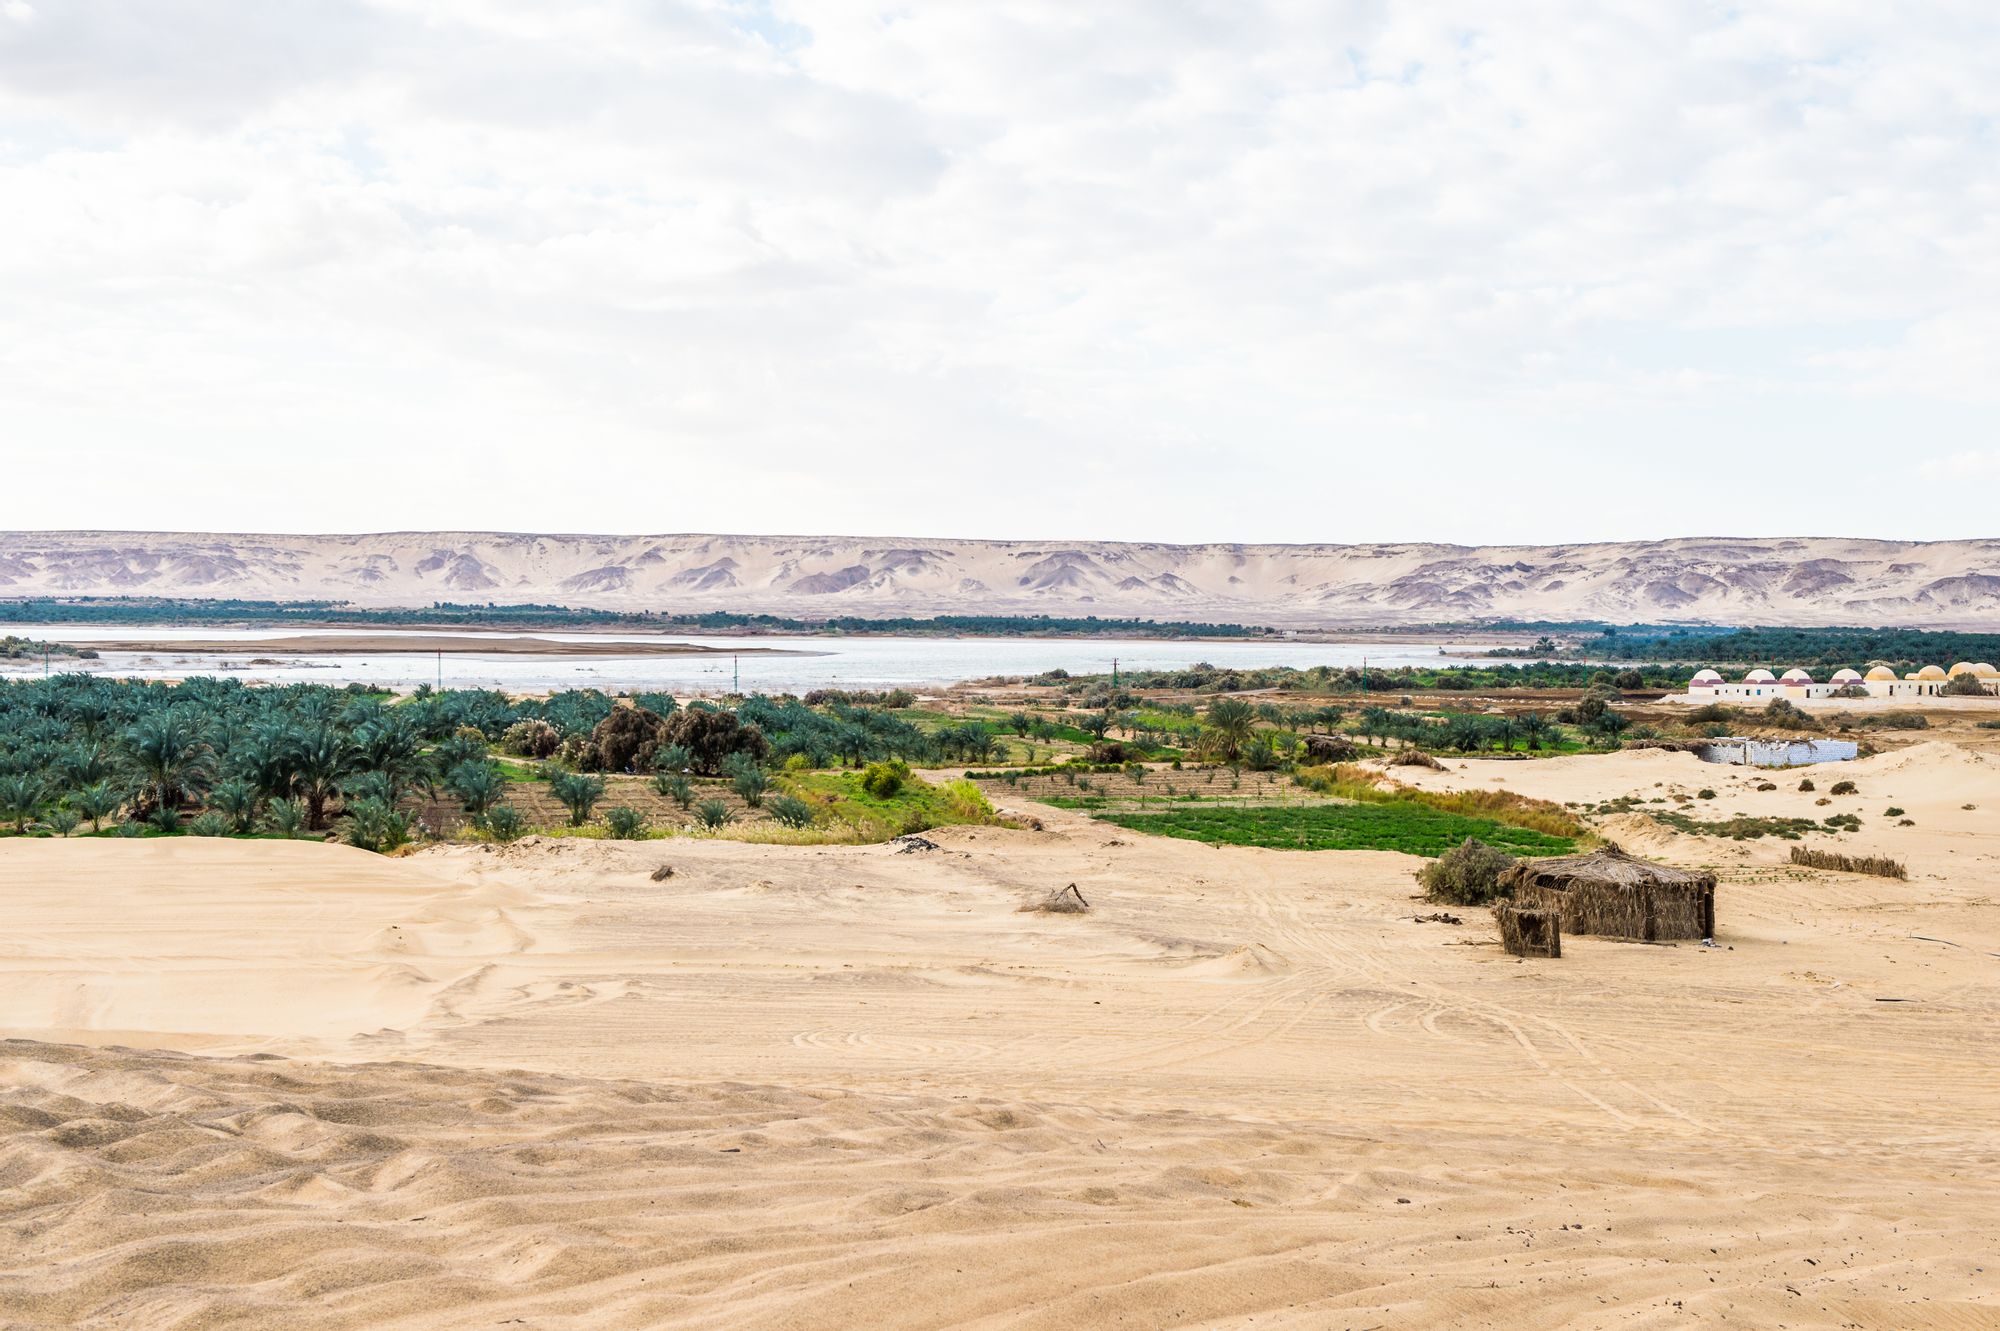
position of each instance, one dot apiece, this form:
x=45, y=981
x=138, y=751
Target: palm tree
x=577, y=792
x=97, y=802
x=170, y=754
x=236, y=798
x=1230, y=723
x=322, y=756
x=20, y=797
x=477, y=786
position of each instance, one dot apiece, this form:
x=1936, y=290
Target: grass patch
x=1349, y=782
x=1406, y=826
x=845, y=812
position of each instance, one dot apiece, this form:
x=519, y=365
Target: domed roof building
x=1705, y=679
x=1930, y=672
x=1879, y=673
x=1845, y=676
x=1964, y=668
x=1797, y=676
x=1760, y=677
x=1985, y=670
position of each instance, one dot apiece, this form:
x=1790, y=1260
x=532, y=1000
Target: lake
x=809, y=662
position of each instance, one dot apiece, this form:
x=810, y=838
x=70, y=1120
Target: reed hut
x=1529, y=931
x=1610, y=893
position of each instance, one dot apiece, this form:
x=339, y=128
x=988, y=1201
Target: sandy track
x=1197, y=1105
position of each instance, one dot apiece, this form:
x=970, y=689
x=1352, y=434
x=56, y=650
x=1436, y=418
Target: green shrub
x=1892, y=812
x=1807, y=784
x=61, y=821
x=712, y=814
x=285, y=817
x=209, y=824
x=1466, y=875
x=166, y=819
x=625, y=824
x=676, y=787
x=1705, y=793
x=578, y=792
x=1844, y=788
x=531, y=738
x=747, y=778
x=477, y=786
x=377, y=825
x=883, y=780
x=502, y=822
x=789, y=810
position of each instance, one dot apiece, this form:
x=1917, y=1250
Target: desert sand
x=265, y=1083
x=1784, y=580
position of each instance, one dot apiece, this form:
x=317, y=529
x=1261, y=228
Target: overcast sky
x=1169, y=270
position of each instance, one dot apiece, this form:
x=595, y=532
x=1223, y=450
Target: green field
x=1410, y=828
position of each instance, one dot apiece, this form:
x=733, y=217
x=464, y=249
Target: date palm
x=20, y=797
x=169, y=752
x=320, y=760
x=1230, y=724
x=97, y=802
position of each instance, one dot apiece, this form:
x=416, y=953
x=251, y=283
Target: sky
x=1249, y=271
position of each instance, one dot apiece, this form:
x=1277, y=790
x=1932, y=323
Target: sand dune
x=1817, y=580
x=841, y=1086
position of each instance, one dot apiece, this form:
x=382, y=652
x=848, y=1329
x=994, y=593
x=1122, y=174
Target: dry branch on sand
x=1062, y=901
x=1610, y=893
x=1879, y=865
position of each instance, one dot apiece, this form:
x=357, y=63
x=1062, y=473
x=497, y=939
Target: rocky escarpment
x=1768, y=581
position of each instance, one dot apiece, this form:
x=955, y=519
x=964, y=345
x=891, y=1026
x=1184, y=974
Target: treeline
x=296, y=758
x=28, y=649
x=1830, y=647
x=446, y=614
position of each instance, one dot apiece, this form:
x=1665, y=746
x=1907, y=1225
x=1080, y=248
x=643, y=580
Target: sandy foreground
x=264, y=1084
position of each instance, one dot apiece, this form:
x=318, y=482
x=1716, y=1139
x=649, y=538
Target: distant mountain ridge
x=1780, y=581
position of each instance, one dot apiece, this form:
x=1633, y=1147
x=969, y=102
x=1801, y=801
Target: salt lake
x=768, y=664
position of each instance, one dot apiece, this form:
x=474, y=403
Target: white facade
x=1798, y=685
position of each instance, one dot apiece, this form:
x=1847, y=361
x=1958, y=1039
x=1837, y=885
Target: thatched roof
x=1609, y=892
x=1607, y=866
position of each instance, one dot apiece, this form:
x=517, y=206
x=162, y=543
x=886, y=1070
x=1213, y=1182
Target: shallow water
x=820, y=662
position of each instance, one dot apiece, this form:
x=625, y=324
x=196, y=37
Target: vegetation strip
x=1413, y=829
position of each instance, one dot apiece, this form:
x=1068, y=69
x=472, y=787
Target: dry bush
x=1466, y=875
x=1879, y=865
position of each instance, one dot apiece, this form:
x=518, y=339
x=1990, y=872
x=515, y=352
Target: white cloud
x=1971, y=464
x=1269, y=270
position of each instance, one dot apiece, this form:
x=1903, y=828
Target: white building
x=1879, y=682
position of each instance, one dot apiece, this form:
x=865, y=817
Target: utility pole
x=735, y=674
x=440, y=683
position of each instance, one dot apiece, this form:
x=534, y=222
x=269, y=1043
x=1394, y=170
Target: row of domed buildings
x=1879, y=682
